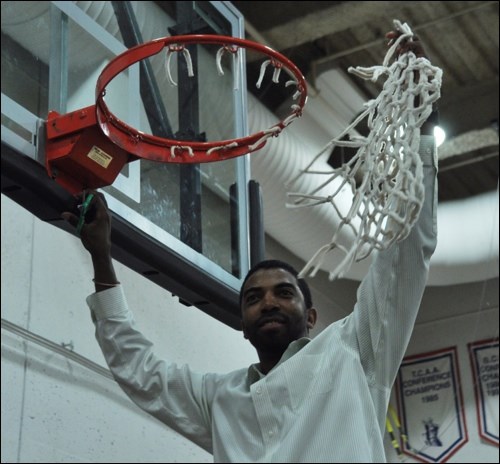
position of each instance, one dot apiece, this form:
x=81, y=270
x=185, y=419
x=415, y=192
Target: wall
x=56, y=410
x=457, y=332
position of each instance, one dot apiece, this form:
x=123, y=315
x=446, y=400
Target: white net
x=385, y=176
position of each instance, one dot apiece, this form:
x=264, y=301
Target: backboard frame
x=24, y=180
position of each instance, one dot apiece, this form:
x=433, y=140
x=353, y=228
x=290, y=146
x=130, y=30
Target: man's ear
x=312, y=316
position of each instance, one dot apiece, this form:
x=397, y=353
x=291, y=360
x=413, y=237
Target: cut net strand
x=385, y=177
x=273, y=131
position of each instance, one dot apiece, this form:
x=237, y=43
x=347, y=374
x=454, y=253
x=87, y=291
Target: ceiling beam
x=329, y=21
x=468, y=142
x=338, y=18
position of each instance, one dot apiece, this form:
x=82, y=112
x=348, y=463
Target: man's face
x=273, y=310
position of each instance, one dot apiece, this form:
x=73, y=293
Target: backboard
x=184, y=227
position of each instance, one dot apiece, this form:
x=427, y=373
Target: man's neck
x=268, y=361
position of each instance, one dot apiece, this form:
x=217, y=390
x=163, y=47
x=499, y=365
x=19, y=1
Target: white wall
x=55, y=410
x=458, y=331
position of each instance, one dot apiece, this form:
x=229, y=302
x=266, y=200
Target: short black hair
x=277, y=264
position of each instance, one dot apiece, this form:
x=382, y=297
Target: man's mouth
x=272, y=322
x=271, y=325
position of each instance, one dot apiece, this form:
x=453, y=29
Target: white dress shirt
x=325, y=401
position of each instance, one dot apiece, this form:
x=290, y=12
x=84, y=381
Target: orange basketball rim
x=87, y=148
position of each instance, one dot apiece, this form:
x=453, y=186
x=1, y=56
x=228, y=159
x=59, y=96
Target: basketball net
x=385, y=176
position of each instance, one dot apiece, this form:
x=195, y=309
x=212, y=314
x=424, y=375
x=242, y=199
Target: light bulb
x=440, y=135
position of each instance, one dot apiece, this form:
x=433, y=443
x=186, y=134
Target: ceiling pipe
x=467, y=248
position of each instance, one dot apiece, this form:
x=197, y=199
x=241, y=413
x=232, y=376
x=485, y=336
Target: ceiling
x=462, y=38
x=324, y=39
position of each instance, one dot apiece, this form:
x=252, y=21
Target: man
x=320, y=400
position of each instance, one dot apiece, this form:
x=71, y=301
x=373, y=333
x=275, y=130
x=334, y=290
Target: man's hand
x=94, y=223
x=412, y=45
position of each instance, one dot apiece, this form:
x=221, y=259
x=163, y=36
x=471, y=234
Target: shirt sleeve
x=389, y=296
x=173, y=394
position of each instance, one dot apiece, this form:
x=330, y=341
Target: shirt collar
x=254, y=374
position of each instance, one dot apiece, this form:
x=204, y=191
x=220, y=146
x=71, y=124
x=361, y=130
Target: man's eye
x=250, y=299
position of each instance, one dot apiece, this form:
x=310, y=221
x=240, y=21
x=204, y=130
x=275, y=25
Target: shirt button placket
x=263, y=409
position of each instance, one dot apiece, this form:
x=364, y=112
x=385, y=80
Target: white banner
x=484, y=362
x=430, y=405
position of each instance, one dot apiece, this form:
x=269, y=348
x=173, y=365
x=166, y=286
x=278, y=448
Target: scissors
x=84, y=207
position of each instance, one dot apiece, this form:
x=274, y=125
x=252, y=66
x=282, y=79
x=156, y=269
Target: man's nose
x=269, y=300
